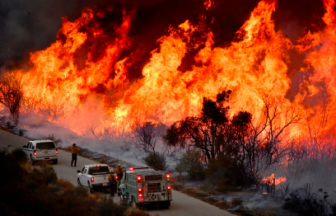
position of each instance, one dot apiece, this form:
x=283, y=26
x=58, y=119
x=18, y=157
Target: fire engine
x=143, y=185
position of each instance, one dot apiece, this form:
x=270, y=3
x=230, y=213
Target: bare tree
x=11, y=94
x=264, y=145
x=276, y=124
x=145, y=136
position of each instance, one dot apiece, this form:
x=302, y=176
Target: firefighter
x=74, y=150
x=119, y=172
x=112, y=184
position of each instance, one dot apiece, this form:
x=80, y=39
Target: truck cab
x=141, y=186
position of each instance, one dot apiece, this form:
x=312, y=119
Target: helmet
x=119, y=165
x=111, y=171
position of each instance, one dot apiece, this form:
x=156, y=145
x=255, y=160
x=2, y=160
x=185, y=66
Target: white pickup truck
x=94, y=176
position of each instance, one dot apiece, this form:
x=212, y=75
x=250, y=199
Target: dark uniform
x=74, y=151
x=112, y=183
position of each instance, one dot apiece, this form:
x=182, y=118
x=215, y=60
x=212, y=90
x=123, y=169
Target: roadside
x=86, y=156
x=38, y=191
x=181, y=205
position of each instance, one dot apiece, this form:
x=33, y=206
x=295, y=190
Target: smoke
x=27, y=26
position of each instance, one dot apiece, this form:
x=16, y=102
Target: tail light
x=56, y=151
x=35, y=153
x=139, y=178
x=116, y=177
x=140, y=195
x=98, y=166
x=169, y=190
x=168, y=176
x=92, y=179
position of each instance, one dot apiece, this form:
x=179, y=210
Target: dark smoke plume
x=32, y=25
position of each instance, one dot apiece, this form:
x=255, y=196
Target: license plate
x=104, y=184
x=154, y=196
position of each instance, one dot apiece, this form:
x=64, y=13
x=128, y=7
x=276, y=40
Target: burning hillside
x=93, y=74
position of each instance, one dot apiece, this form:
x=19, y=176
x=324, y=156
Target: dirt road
x=182, y=204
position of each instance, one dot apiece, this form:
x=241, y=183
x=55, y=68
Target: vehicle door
x=85, y=176
x=29, y=150
x=25, y=149
x=81, y=176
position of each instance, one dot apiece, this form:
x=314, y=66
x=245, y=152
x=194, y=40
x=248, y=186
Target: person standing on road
x=74, y=150
x=119, y=172
x=112, y=184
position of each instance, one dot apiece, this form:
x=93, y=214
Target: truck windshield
x=99, y=170
x=45, y=145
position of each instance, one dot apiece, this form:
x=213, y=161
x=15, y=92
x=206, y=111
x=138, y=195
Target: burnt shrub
x=191, y=165
x=226, y=173
x=19, y=155
x=156, y=161
x=310, y=204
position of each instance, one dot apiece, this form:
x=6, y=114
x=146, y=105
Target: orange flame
x=271, y=179
x=80, y=91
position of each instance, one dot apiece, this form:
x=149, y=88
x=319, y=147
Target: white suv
x=41, y=150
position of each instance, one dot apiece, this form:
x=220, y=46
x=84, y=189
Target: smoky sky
x=30, y=25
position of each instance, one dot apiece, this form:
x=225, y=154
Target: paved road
x=182, y=204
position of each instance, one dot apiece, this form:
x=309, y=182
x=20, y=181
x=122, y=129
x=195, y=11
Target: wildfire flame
x=272, y=180
x=79, y=90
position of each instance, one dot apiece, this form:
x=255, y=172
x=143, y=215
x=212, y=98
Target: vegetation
x=227, y=173
x=39, y=192
x=145, y=136
x=191, y=165
x=11, y=94
x=234, y=147
x=156, y=161
x=312, y=204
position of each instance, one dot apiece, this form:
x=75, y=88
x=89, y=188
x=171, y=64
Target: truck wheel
x=122, y=200
x=90, y=189
x=134, y=204
x=31, y=161
x=55, y=161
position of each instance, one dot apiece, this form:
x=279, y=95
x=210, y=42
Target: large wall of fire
x=94, y=73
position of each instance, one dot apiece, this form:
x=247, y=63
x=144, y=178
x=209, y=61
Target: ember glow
x=81, y=90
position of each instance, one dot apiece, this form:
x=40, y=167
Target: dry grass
x=64, y=184
x=26, y=166
x=135, y=212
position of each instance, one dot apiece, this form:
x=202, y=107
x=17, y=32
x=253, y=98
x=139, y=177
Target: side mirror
x=78, y=171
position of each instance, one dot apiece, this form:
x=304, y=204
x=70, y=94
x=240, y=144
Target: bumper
x=100, y=185
x=45, y=158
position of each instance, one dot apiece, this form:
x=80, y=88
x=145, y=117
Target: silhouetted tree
x=145, y=136
x=212, y=132
x=256, y=147
x=11, y=94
